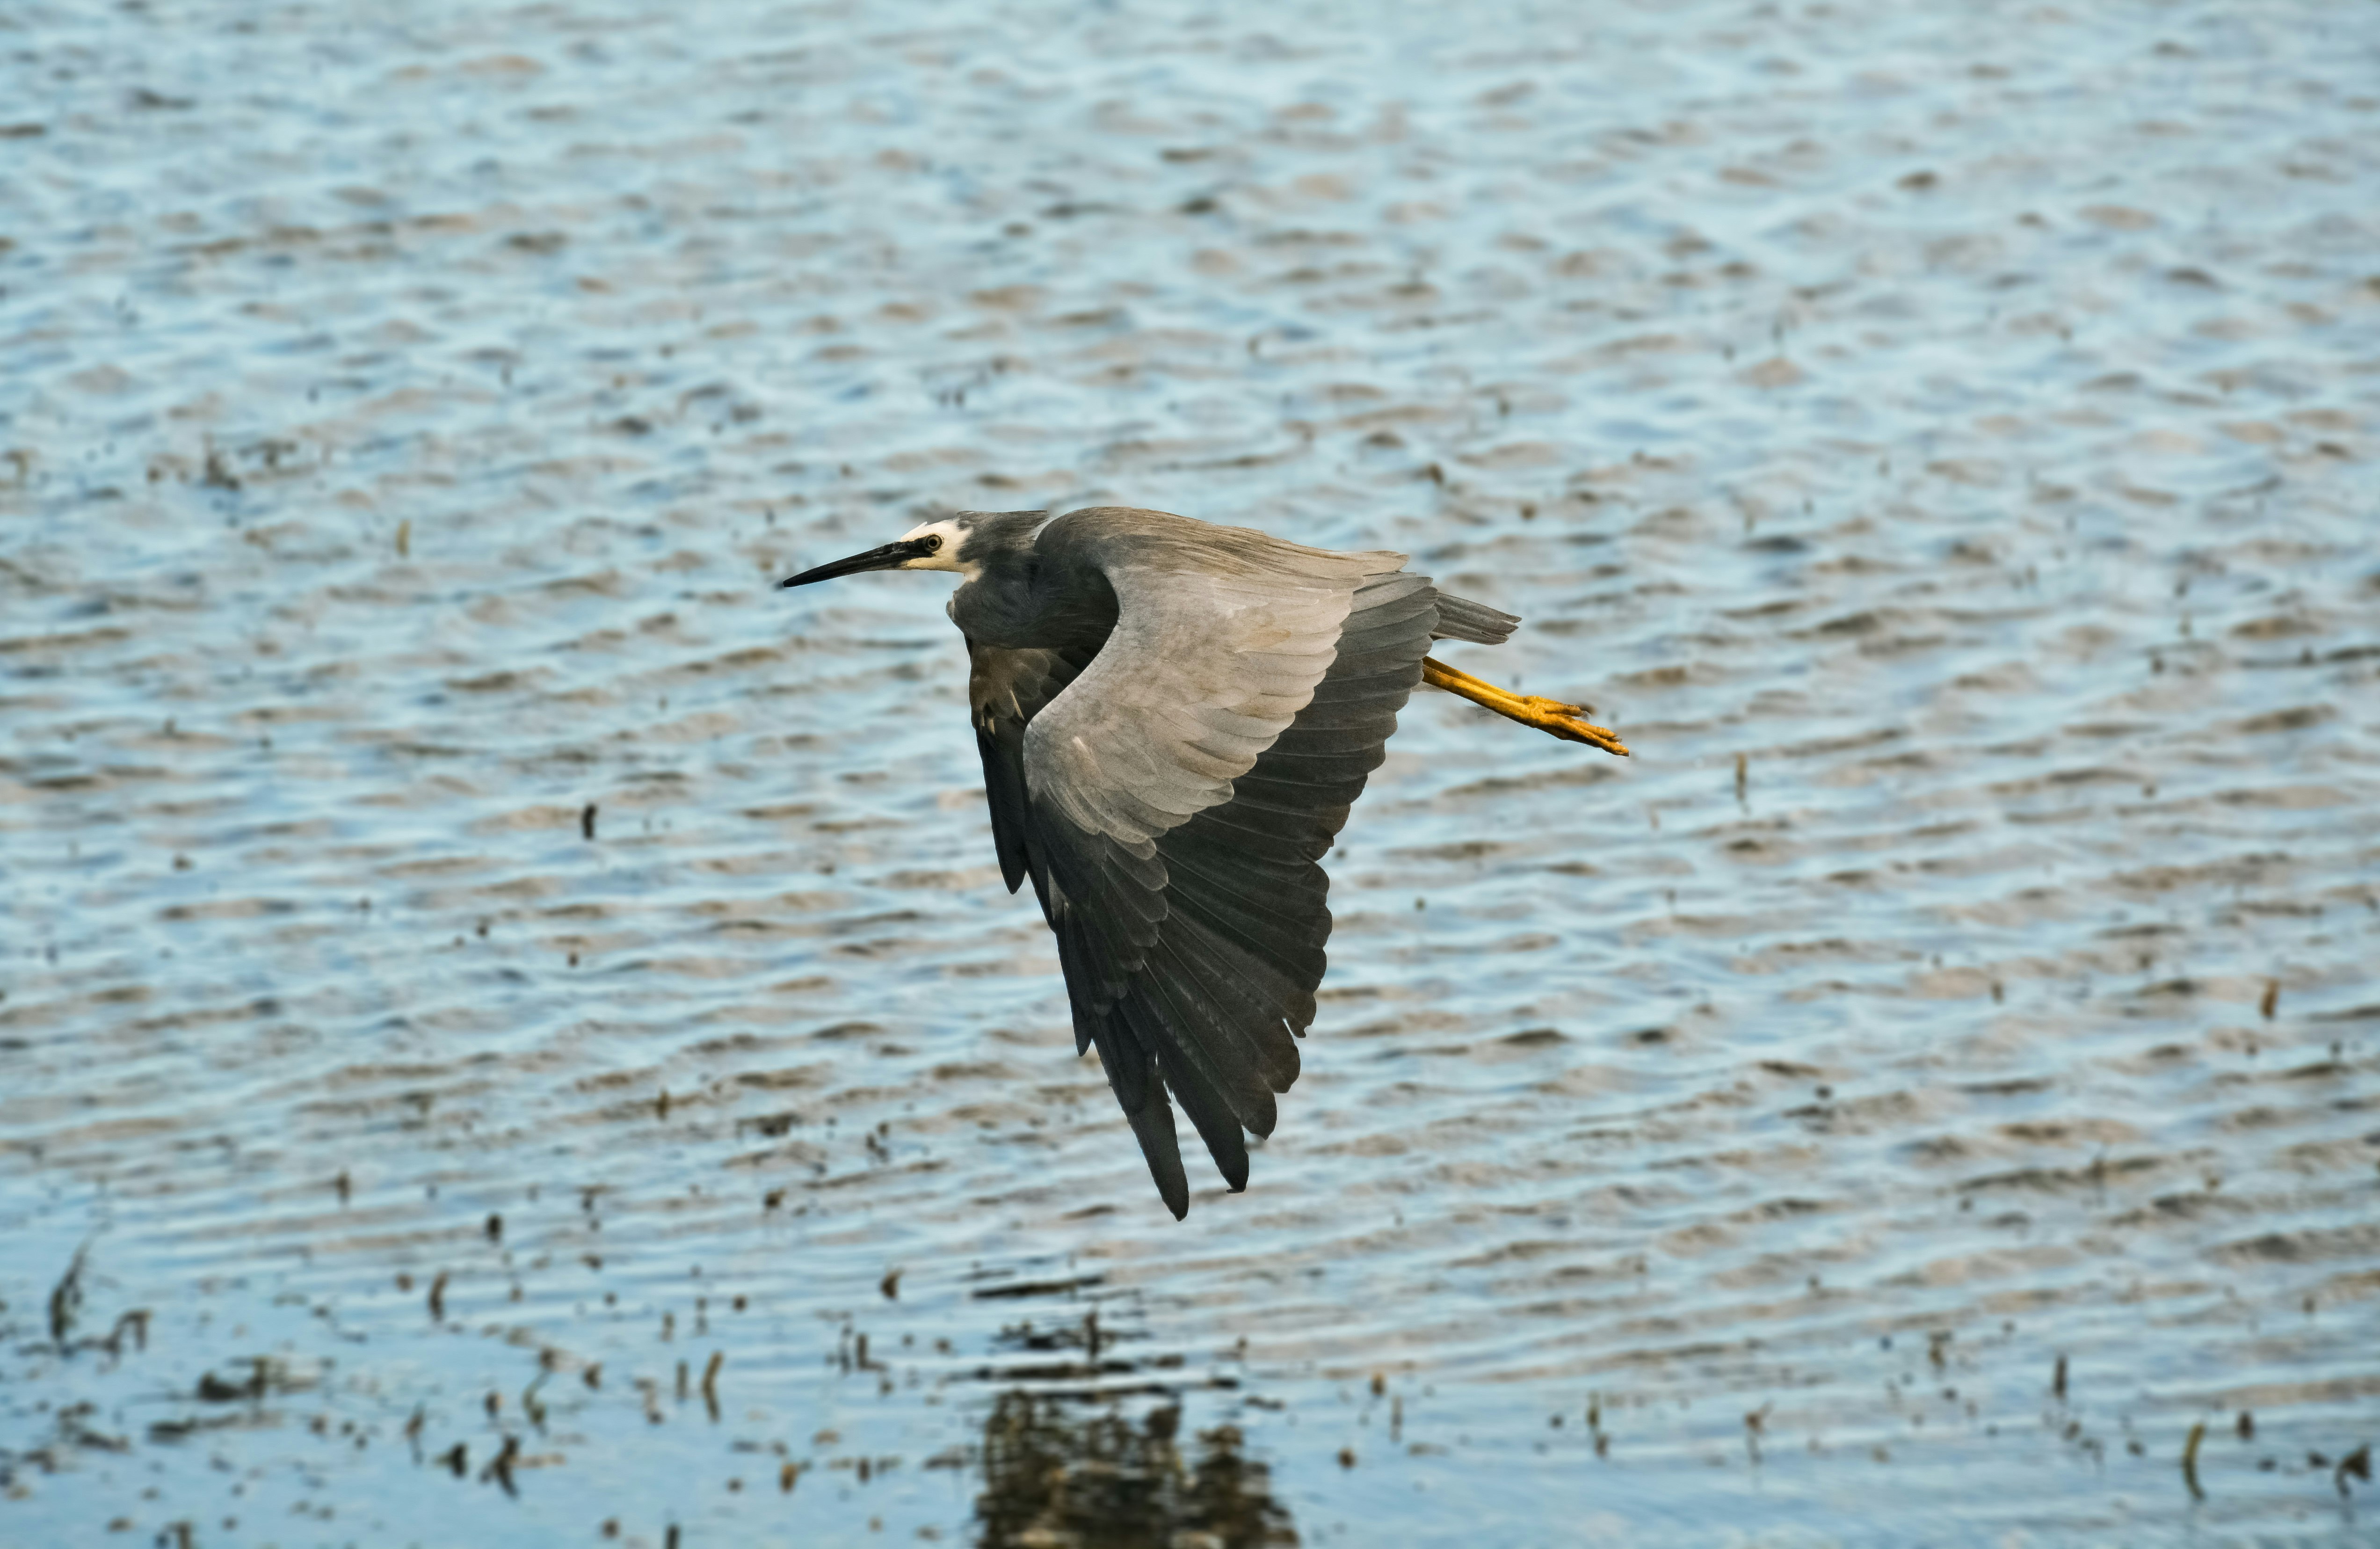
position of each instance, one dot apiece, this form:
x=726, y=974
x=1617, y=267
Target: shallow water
x=475, y=955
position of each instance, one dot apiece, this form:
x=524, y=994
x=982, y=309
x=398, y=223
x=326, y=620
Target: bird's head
x=962, y=542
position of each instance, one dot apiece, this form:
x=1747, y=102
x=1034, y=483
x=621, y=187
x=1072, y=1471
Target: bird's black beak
x=885, y=558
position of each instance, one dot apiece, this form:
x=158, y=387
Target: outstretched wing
x=1178, y=795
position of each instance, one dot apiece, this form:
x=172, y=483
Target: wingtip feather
x=1153, y=1127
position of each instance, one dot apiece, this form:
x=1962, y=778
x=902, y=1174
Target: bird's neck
x=1015, y=603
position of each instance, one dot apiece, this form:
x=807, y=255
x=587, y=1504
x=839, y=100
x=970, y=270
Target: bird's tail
x=1460, y=618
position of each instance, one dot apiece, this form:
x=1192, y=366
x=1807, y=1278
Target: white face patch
x=952, y=536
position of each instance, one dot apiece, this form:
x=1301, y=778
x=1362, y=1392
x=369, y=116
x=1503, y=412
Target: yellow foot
x=1548, y=715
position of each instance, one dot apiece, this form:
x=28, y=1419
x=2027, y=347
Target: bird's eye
x=933, y=542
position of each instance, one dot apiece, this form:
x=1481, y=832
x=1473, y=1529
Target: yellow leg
x=1548, y=715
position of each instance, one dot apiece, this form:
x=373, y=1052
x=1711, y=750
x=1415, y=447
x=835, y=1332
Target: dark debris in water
x=1021, y=1289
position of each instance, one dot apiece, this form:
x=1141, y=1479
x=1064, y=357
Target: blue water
x=1939, y=440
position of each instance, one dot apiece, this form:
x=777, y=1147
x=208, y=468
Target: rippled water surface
x=512, y=1029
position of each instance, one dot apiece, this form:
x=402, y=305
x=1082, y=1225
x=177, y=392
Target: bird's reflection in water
x=1054, y=1474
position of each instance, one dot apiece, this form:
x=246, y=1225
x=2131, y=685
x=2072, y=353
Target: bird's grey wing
x=1005, y=689
x=1181, y=792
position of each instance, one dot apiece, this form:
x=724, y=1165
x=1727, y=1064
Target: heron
x=1175, y=718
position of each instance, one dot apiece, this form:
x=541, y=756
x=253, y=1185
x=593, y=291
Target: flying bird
x=1175, y=718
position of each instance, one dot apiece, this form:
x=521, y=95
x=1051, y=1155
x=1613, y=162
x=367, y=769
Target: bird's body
x=1174, y=719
